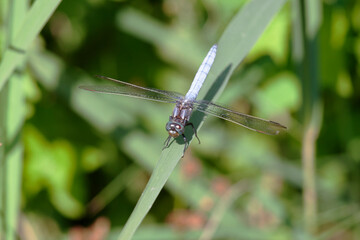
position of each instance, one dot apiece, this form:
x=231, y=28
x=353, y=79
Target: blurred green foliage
x=87, y=158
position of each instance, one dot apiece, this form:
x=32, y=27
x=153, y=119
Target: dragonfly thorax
x=179, y=118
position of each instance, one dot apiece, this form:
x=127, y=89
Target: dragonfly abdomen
x=201, y=74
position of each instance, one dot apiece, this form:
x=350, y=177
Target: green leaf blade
x=237, y=40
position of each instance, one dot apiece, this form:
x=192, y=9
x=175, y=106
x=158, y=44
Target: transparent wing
x=250, y=122
x=131, y=90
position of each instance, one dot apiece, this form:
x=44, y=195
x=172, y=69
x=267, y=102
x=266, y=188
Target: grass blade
x=14, y=117
x=23, y=27
x=305, y=33
x=31, y=26
x=237, y=40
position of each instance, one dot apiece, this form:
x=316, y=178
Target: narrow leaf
x=237, y=40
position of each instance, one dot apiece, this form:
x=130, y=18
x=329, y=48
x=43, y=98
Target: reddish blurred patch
x=191, y=168
x=186, y=220
x=260, y=217
x=206, y=203
x=97, y=231
x=220, y=185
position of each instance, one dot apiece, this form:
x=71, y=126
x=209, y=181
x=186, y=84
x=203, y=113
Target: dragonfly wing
x=131, y=90
x=247, y=121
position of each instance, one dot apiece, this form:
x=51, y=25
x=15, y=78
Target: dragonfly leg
x=186, y=144
x=195, y=132
x=166, y=143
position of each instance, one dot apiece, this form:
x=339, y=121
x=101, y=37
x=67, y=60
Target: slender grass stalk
x=237, y=40
x=219, y=211
x=341, y=227
x=309, y=174
x=13, y=120
x=112, y=190
x=336, y=214
x=3, y=101
x=307, y=20
x=22, y=28
x=31, y=25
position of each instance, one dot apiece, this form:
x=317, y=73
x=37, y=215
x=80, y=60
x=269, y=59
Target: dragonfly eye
x=174, y=129
x=173, y=133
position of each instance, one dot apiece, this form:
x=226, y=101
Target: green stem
x=307, y=18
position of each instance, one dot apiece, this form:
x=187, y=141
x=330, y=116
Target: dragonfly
x=185, y=105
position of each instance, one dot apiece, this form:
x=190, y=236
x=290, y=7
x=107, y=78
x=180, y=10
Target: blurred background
x=87, y=157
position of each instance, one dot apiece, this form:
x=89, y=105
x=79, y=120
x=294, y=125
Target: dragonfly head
x=174, y=129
